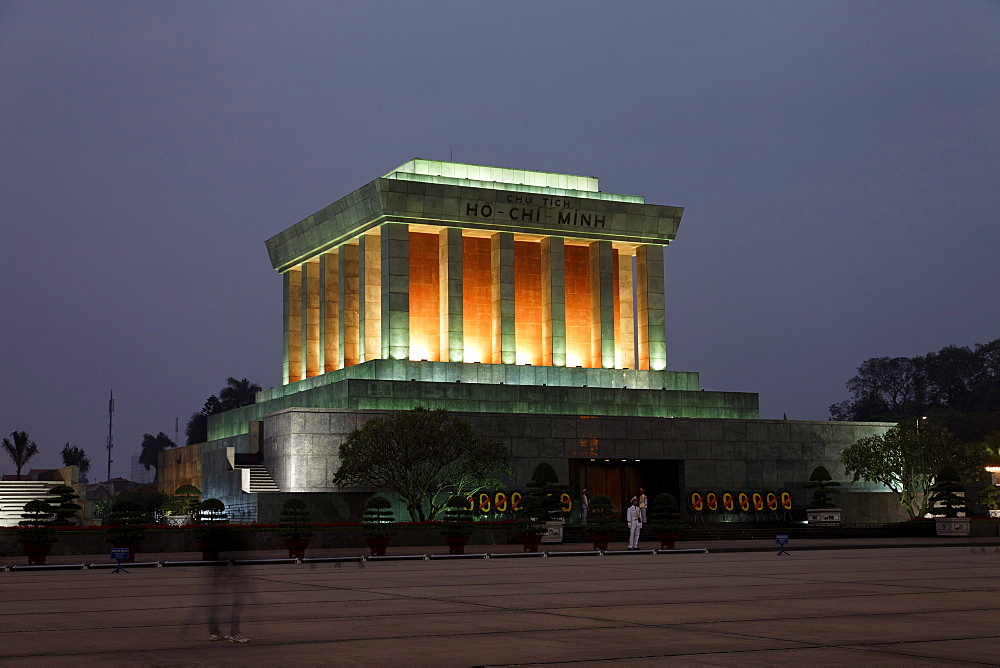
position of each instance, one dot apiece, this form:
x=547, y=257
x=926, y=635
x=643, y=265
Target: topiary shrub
x=665, y=514
x=126, y=522
x=529, y=518
x=212, y=523
x=945, y=493
x=545, y=486
x=378, y=520
x=823, y=483
x=36, y=527
x=294, y=523
x=457, y=517
x=65, y=507
x=602, y=517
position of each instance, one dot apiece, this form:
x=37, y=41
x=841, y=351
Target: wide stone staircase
x=260, y=480
x=15, y=493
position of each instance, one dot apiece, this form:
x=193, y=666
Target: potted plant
x=545, y=486
x=529, y=523
x=211, y=532
x=947, y=497
x=66, y=510
x=601, y=521
x=179, y=507
x=665, y=516
x=126, y=526
x=457, y=525
x=378, y=525
x=989, y=498
x=294, y=527
x=822, y=510
x=35, y=533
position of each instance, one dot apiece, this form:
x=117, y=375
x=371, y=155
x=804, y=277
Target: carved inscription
x=535, y=209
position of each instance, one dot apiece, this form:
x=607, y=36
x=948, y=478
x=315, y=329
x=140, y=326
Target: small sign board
x=781, y=539
x=119, y=553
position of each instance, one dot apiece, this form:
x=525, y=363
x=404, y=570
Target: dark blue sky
x=838, y=162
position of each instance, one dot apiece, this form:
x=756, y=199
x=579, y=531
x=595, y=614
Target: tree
x=824, y=484
x=236, y=394
x=74, y=456
x=67, y=508
x=906, y=462
x=21, y=449
x=418, y=456
x=152, y=446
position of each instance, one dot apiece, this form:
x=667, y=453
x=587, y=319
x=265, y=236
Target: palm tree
x=152, y=446
x=21, y=450
x=238, y=393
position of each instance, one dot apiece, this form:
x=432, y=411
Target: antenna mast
x=111, y=413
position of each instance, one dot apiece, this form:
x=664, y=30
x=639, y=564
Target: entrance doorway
x=622, y=480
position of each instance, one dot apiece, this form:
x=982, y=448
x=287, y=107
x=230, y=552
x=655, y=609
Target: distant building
x=139, y=472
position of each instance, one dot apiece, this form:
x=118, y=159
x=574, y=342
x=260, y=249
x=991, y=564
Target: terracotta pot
x=667, y=539
x=209, y=551
x=378, y=545
x=530, y=541
x=133, y=549
x=36, y=552
x=601, y=540
x=456, y=544
x=296, y=547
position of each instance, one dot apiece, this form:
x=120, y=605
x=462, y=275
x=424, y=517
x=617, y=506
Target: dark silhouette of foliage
x=74, y=456
x=235, y=394
x=530, y=516
x=418, y=457
x=665, y=514
x=295, y=520
x=957, y=387
x=457, y=517
x=20, y=448
x=545, y=486
x=65, y=508
x=378, y=520
x=823, y=483
x=152, y=446
x=126, y=523
x=36, y=526
x=601, y=517
x=945, y=492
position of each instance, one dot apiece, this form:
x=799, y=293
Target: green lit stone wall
x=495, y=397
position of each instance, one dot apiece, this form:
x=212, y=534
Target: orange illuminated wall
x=578, y=306
x=618, y=304
x=477, y=300
x=528, y=301
x=425, y=335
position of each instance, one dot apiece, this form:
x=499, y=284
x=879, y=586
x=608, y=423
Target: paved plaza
x=893, y=606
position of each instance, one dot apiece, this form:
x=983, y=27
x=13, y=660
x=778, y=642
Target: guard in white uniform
x=634, y=519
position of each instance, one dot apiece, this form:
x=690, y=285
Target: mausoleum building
x=530, y=303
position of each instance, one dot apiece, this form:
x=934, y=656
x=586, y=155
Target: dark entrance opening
x=622, y=480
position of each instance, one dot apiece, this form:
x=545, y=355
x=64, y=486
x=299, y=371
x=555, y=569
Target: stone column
x=450, y=302
x=502, y=271
x=626, y=314
x=553, y=302
x=310, y=318
x=602, y=305
x=650, y=308
x=348, y=327
x=370, y=305
x=291, y=289
x=329, y=316
x=395, y=291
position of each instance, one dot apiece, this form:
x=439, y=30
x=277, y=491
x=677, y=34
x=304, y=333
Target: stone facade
x=531, y=304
